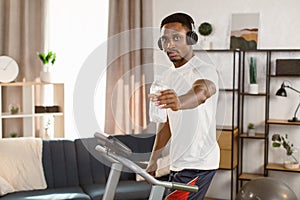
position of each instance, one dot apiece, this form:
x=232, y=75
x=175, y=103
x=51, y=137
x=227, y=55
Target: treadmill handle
x=184, y=187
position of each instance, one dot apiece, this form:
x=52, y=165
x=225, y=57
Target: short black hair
x=182, y=18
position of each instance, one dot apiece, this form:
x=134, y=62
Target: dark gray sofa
x=73, y=170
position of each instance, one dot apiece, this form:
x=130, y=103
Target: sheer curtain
x=128, y=58
x=22, y=34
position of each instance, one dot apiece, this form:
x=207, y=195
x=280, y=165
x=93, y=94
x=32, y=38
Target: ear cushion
x=159, y=44
x=191, y=38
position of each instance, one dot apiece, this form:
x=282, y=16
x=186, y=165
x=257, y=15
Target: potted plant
x=13, y=135
x=253, y=87
x=291, y=161
x=14, y=108
x=48, y=59
x=251, y=129
x=205, y=29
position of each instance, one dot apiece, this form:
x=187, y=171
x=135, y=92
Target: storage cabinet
x=228, y=144
x=26, y=122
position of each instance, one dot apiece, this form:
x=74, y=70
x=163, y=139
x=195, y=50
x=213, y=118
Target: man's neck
x=183, y=62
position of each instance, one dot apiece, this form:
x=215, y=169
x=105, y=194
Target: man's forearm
x=162, y=138
x=200, y=92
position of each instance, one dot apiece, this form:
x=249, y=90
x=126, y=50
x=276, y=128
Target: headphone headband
x=182, y=18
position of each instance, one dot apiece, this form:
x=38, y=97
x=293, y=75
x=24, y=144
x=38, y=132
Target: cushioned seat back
x=60, y=163
x=93, y=168
x=140, y=144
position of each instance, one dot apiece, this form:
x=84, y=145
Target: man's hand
x=151, y=169
x=201, y=90
x=166, y=99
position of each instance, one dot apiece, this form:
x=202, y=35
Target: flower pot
x=291, y=161
x=253, y=89
x=251, y=132
x=290, y=165
x=14, y=108
x=46, y=76
x=205, y=44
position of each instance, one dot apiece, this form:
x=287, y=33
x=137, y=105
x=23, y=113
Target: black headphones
x=186, y=20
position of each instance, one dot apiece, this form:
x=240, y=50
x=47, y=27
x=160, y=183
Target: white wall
x=76, y=29
x=279, y=24
x=279, y=28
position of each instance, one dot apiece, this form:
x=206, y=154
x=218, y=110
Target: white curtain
x=22, y=34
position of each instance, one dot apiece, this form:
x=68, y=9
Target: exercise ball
x=266, y=189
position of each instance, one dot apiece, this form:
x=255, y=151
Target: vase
x=45, y=135
x=46, y=74
x=205, y=44
x=291, y=161
x=290, y=165
x=251, y=132
x=253, y=88
x=46, y=77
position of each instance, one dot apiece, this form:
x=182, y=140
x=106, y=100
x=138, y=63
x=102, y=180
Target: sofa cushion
x=60, y=163
x=126, y=190
x=62, y=193
x=140, y=144
x=91, y=169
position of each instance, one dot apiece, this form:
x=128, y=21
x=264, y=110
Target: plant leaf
x=276, y=144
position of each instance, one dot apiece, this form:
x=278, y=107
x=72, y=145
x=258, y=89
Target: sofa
x=75, y=170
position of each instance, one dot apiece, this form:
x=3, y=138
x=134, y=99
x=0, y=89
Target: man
x=191, y=105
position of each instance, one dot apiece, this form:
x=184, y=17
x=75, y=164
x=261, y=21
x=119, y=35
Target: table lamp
x=282, y=92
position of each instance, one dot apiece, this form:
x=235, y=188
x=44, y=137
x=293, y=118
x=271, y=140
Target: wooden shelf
x=227, y=90
x=254, y=50
x=279, y=167
x=214, y=50
x=283, y=50
x=13, y=84
x=282, y=122
x=225, y=128
x=22, y=115
x=19, y=115
x=250, y=94
x=27, y=123
x=48, y=114
x=257, y=136
x=250, y=176
x=293, y=76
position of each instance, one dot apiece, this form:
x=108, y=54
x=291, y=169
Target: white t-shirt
x=193, y=144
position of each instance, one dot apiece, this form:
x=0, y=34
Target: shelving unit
x=263, y=58
x=227, y=130
x=244, y=99
x=269, y=65
x=274, y=54
x=27, y=95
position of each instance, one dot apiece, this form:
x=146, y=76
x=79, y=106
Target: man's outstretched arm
x=201, y=90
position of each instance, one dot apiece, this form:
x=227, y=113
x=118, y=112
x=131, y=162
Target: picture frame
x=244, y=31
